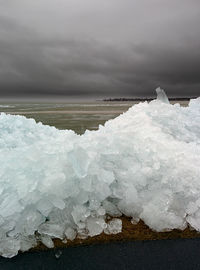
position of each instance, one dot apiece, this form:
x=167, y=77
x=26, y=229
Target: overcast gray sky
x=99, y=48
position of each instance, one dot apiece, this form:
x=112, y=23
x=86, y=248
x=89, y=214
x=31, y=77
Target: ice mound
x=57, y=184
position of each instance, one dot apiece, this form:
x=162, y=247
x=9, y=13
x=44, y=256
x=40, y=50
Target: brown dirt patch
x=129, y=232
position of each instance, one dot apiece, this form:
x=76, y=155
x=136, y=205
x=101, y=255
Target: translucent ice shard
x=114, y=226
x=70, y=233
x=54, y=230
x=9, y=247
x=161, y=95
x=27, y=242
x=95, y=226
x=47, y=241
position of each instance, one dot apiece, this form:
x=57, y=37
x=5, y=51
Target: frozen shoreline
x=56, y=184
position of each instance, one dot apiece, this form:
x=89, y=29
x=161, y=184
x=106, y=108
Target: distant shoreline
x=147, y=99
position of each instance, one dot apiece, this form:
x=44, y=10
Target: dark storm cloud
x=112, y=48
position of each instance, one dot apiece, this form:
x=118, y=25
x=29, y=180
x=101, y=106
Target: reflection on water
x=75, y=116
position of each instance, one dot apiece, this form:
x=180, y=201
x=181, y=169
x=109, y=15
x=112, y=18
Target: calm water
x=75, y=116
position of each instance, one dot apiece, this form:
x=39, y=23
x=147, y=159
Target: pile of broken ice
x=57, y=184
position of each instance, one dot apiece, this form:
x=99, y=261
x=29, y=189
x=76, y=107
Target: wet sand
x=130, y=232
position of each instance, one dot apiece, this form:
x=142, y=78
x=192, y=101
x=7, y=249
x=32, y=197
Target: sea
x=77, y=116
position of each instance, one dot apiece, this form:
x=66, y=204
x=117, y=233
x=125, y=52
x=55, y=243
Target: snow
x=56, y=184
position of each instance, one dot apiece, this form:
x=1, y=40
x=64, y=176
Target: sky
x=99, y=48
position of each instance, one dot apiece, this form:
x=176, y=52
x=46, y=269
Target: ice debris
x=114, y=226
x=161, y=95
x=47, y=241
x=56, y=184
x=58, y=254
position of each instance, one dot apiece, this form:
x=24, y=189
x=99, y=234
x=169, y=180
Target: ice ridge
x=56, y=184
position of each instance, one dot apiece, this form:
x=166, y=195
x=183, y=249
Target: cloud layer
x=99, y=48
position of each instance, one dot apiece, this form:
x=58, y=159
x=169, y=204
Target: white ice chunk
x=54, y=230
x=27, y=242
x=111, y=209
x=161, y=96
x=9, y=247
x=10, y=205
x=135, y=220
x=70, y=233
x=95, y=226
x=47, y=241
x=114, y=226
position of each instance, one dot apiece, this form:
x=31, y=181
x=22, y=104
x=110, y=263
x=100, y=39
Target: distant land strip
x=148, y=99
